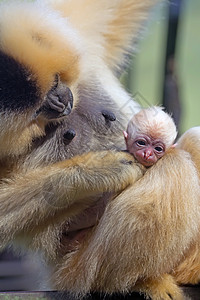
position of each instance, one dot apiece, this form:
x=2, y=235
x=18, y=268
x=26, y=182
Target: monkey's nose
x=147, y=154
x=108, y=115
x=69, y=134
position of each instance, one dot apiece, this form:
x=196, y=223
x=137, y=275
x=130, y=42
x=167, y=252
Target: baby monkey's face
x=146, y=149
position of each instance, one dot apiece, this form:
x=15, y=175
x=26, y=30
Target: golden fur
x=137, y=230
x=146, y=238
x=38, y=39
x=190, y=141
x=188, y=271
x=51, y=203
x=40, y=32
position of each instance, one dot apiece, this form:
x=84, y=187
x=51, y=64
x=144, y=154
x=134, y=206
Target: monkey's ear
x=111, y=27
x=125, y=134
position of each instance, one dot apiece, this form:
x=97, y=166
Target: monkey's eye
x=159, y=149
x=141, y=143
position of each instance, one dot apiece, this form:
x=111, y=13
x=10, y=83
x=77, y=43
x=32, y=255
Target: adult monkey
x=151, y=234
x=32, y=91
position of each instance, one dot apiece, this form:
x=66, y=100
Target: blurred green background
x=147, y=67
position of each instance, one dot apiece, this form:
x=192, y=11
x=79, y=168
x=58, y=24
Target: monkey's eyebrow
x=108, y=115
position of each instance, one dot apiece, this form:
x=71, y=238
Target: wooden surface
x=192, y=291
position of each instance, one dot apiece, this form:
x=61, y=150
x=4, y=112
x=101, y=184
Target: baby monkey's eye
x=159, y=149
x=141, y=143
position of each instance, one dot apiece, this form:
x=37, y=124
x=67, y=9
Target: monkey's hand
x=58, y=102
x=105, y=171
x=62, y=189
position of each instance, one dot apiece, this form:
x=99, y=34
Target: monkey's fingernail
x=68, y=109
x=108, y=115
x=70, y=96
x=126, y=162
x=69, y=134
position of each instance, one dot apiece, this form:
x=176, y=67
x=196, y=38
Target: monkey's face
x=146, y=149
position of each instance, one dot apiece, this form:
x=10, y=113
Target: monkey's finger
x=67, y=96
x=67, y=109
x=55, y=104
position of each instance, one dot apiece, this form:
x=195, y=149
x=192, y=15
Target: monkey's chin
x=145, y=162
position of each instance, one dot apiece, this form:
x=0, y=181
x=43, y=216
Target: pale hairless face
x=146, y=149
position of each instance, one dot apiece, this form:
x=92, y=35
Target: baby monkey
x=149, y=134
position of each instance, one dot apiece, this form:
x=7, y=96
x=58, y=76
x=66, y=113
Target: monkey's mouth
x=147, y=163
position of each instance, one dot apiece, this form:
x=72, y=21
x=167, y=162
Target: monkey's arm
x=57, y=191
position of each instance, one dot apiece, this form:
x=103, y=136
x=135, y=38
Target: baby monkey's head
x=149, y=134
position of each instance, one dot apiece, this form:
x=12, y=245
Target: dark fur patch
x=17, y=90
